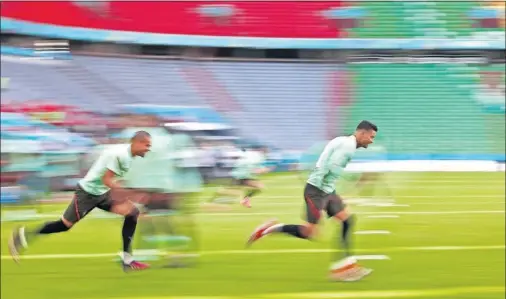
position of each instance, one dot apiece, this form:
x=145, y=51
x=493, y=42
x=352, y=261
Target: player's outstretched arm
x=109, y=179
x=120, y=194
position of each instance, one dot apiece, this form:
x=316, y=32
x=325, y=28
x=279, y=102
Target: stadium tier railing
x=27, y=52
x=100, y=35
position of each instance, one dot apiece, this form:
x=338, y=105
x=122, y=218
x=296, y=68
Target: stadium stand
x=418, y=106
x=425, y=108
x=408, y=19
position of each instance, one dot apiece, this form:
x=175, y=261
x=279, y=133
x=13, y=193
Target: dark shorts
x=84, y=202
x=317, y=200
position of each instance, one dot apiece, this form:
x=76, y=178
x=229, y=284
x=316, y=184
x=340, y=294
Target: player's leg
x=131, y=213
x=337, y=209
x=315, y=200
x=254, y=187
x=347, y=268
x=234, y=189
x=81, y=204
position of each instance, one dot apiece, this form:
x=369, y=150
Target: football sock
x=129, y=226
x=47, y=228
x=294, y=230
x=52, y=227
x=345, y=234
x=291, y=229
x=127, y=258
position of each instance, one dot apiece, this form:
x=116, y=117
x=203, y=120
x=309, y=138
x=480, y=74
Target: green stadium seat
x=424, y=108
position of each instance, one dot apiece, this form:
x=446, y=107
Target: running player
x=320, y=194
x=98, y=189
x=244, y=176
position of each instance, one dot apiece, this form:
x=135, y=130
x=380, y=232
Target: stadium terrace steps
x=151, y=81
x=96, y=82
x=47, y=82
x=420, y=108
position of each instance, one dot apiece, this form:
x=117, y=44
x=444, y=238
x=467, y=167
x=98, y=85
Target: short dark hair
x=139, y=135
x=367, y=125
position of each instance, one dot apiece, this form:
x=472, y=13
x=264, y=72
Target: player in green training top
x=319, y=194
x=244, y=174
x=94, y=191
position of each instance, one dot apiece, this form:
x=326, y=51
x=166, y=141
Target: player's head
x=140, y=143
x=365, y=133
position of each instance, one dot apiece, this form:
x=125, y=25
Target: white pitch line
x=449, y=248
x=226, y=214
x=368, y=213
x=342, y=294
x=382, y=216
x=372, y=232
x=372, y=204
x=363, y=213
x=362, y=203
x=371, y=257
x=386, y=204
x=412, y=196
x=399, y=182
x=436, y=212
x=445, y=293
x=455, y=202
x=409, y=187
x=402, y=179
x=269, y=251
x=351, y=199
x=359, y=200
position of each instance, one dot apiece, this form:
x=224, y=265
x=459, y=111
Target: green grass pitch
x=446, y=238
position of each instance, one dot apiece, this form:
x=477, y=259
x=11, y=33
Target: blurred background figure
x=245, y=184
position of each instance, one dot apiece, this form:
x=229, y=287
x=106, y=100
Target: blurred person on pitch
x=247, y=167
x=100, y=188
x=169, y=179
x=187, y=185
x=320, y=194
